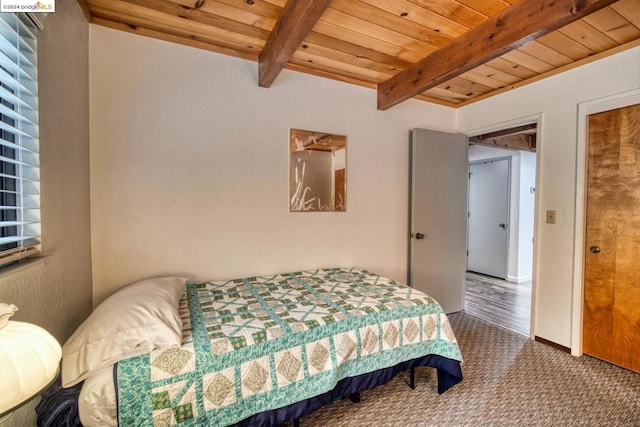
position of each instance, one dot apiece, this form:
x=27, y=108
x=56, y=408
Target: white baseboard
x=519, y=279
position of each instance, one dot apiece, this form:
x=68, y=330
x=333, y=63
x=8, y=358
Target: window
x=19, y=159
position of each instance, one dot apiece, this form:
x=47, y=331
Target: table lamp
x=29, y=361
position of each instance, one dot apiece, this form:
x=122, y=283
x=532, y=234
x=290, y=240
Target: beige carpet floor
x=509, y=381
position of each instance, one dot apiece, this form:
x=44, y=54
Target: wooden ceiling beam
x=521, y=141
x=530, y=128
x=295, y=23
x=504, y=32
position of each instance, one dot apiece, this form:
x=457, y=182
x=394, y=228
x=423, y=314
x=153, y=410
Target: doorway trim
x=538, y=217
x=585, y=109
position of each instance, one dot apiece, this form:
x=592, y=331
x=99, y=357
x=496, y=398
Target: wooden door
x=438, y=216
x=611, y=316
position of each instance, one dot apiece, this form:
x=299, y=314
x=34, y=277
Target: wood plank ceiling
x=450, y=52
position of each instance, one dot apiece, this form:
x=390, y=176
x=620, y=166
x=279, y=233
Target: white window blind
x=19, y=159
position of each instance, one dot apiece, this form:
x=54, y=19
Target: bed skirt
x=449, y=374
x=58, y=406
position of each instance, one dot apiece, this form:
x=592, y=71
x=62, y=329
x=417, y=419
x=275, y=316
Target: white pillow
x=97, y=406
x=133, y=321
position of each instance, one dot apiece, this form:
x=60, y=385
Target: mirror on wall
x=317, y=171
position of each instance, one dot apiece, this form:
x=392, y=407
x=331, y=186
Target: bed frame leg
x=412, y=378
x=355, y=397
x=296, y=423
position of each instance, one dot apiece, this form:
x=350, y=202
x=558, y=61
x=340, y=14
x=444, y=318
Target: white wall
x=557, y=99
x=189, y=167
x=55, y=293
x=526, y=209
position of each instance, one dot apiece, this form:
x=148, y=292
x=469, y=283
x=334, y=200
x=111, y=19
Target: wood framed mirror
x=317, y=171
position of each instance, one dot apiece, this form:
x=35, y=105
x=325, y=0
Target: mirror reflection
x=317, y=171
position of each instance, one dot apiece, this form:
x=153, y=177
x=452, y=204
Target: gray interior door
x=488, y=217
x=438, y=206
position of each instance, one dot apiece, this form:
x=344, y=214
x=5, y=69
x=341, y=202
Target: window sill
x=27, y=267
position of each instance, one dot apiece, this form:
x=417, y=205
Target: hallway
x=500, y=302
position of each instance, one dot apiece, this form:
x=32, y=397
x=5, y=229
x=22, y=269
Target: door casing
x=538, y=217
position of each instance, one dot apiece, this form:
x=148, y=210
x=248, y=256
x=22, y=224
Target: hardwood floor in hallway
x=503, y=303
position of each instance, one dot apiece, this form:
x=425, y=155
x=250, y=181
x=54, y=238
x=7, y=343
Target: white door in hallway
x=488, y=217
x=438, y=216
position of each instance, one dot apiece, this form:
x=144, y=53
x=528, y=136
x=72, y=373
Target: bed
x=264, y=350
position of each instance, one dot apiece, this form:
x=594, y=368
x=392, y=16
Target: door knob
x=595, y=249
x=419, y=236
x=503, y=225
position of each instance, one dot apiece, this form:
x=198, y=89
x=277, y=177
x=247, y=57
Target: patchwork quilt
x=261, y=343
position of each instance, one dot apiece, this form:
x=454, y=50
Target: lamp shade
x=29, y=360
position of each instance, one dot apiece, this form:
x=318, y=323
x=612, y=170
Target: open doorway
x=500, y=228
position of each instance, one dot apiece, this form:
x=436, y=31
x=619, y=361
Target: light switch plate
x=551, y=217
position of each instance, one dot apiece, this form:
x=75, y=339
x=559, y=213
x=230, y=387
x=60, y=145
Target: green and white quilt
x=261, y=343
